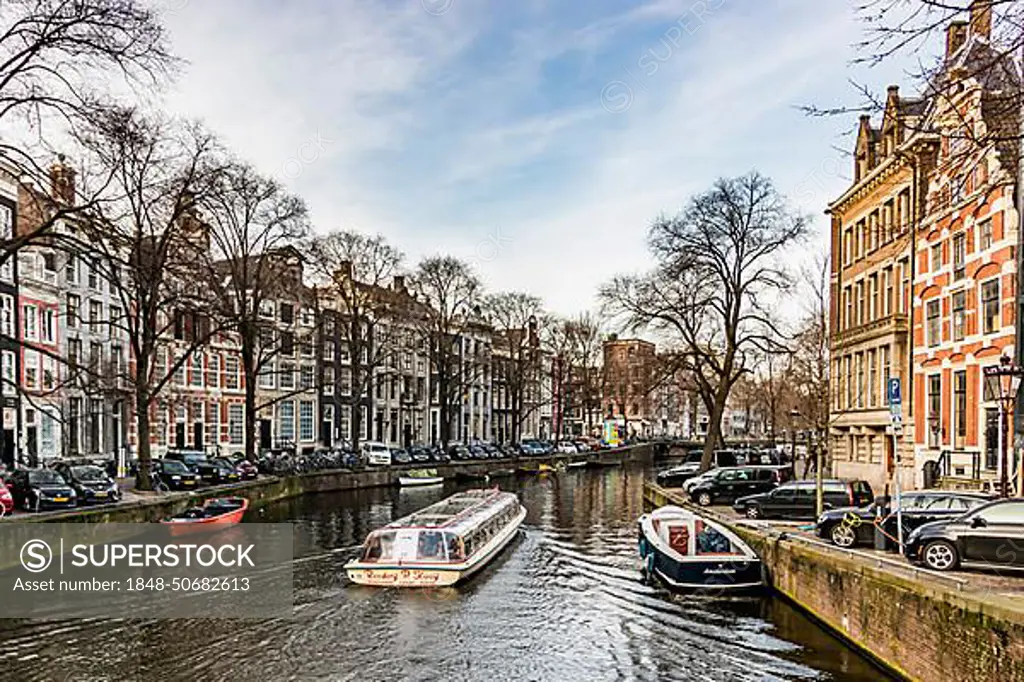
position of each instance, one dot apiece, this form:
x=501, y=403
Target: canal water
x=563, y=603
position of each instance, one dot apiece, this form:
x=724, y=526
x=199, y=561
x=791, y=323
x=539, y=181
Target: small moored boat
x=687, y=552
x=217, y=512
x=420, y=477
x=439, y=545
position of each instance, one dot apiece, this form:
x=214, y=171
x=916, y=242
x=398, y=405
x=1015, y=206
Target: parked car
x=798, y=499
x=375, y=453
x=91, y=483
x=175, y=475
x=566, y=448
x=227, y=471
x=38, y=489
x=196, y=461
x=400, y=456
x=851, y=526
x=246, y=469
x=6, y=499
x=728, y=484
x=690, y=467
x=989, y=536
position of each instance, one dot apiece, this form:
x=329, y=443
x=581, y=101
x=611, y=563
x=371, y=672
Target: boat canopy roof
x=458, y=512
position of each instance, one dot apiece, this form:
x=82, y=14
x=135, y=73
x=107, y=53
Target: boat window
x=431, y=546
x=380, y=547
x=711, y=541
x=456, y=548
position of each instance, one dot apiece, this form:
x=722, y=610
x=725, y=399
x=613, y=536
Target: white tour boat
x=440, y=544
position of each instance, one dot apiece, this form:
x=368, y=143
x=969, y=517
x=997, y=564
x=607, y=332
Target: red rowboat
x=215, y=514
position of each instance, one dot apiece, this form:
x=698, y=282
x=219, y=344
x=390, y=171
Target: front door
x=197, y=435
x=264, y=434
x=179, y=435
x=7, y=454
x=32, y=443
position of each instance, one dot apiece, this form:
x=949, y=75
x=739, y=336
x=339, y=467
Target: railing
x=960, y=464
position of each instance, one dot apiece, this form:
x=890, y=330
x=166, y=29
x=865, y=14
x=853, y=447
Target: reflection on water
x=563, y=603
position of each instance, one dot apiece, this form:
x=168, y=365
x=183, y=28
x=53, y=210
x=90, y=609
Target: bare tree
x=252, y=223
x=450, y=292
x=53, y=53
x=717, y=269
x=145, y=230
x=588, y=349
x=809, y=367
x=354, y=272
x=514, y=316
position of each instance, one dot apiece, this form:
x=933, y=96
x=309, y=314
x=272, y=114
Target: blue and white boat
x=688, y=553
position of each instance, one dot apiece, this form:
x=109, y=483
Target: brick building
x=628, y=369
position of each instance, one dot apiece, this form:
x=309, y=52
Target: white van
x=376, y=453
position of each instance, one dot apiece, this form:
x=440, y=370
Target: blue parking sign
x=894, y=391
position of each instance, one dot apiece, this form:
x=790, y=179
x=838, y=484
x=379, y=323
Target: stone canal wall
x=919, y=625
x=268, y=489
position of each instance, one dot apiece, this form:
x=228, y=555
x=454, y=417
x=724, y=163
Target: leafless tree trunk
x=252, y=222
x=514, y=317
x=450, y=292
x=145, y=229
x=357, y=275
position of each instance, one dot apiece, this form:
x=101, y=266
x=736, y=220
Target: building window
x=287, y=380
x=887, y=299
x=848, y=307
x=287, y=312
x=307, y=317
x=329, y=350
x=31, y=370
x=7, y=316
x=306, y=420
x=30, y=322
x=934, y=409
x=875, y=310
x=94, y=277
x=328, y=380
x=196, y=376
x=306, y=380
x=990, y=305
x=860, y=304
x=266, y=376
x=860, y=380
x=959, y=256
x=934, y=328
x=936, y=256
x=236, y=425
x=985, y=235
x=115, y=319
x=267, y=309
x=344, y=424
x=231, y=372
x=213, y=423
x=345, y=381
x=71, y=270
x=286, y=421
x=213, y=371
x=74, y=304
x=872, y=378
x=960, y=406
x=959, y=315
x=9, y=366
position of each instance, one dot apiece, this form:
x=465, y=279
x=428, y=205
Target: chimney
x=62, y=181
x=981, y=18
x=399, y=283
x=956, y=36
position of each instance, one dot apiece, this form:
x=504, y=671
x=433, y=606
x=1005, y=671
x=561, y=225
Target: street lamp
x=1002, y=382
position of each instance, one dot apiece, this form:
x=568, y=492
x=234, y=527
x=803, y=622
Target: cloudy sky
x=536, y=138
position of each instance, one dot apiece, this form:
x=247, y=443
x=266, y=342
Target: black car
x=400, y=456
x=197, y=462
x=91, y=483
x=38, y=489
x=851, y=526
x=229, y=471
x=798, y=500
x=690, y=467
x=175, y=475
x=726, y=485
x=988, y=536
x=459, y=452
